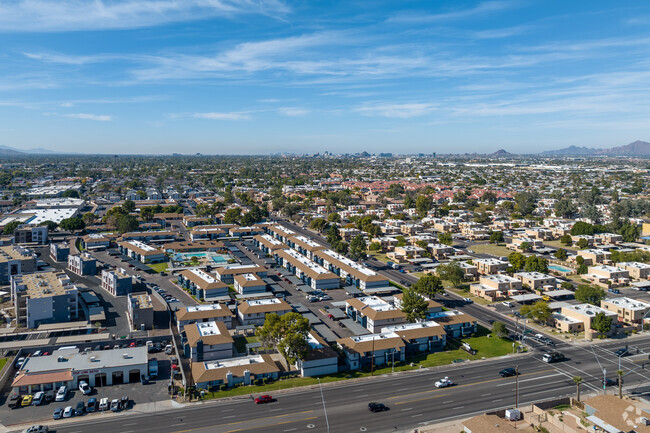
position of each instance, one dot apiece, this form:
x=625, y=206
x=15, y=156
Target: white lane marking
x=419, y=414
x=131, y=423
x=449, y=401
x=459, y=407
x=485, y=395
x=408, y=408
x=175, y=425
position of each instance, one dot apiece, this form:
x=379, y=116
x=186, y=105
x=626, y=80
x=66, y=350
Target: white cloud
x=481, y=9
x=73, y=15
x=402, y=111
x=223, y=116
x=293, y=111
x=88, y=116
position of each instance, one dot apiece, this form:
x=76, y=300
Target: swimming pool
x=560, y=268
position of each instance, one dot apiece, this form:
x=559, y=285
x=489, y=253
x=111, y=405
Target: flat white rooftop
x=562, y=318
x=236, y=362
x=270, y=239
x=203, y=275
x=206, y=307
x=491, y=261
x=371, y=337
x=305, y=261
x=351, y=263
x=589, y=310
x=55, y=214
x=377, y=303
x=208, y=328
x=257, y=302
x=307, y=241
x=448, y=313
x=141, y=245
x=410, y=326
x=501, y=278
x=636, y=265
x=534, y=275
x=606, y=268
x=627, y=303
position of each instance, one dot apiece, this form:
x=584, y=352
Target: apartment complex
x=44, y=297
x=207, y=341
x=82, y=264
x=141, y=252
x=15, y=260
x=203, y=313
x=253, y=312
x=140, y=309
x=117, y=282
x=202, y=285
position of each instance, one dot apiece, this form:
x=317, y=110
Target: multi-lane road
x=411, y=396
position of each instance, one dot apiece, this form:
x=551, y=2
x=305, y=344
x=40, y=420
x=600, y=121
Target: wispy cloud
x=293, y=111
x=86, y=116
x=402, y=111
x=481, y=9
x=222, y=116
x=74, y=15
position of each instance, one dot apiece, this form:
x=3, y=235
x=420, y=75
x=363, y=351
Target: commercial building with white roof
x=628, y=310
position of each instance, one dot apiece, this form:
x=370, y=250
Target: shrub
x=223, y=387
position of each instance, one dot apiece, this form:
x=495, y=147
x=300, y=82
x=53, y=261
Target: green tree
x=539, y=312
x=128, y=206
x=147, y=213
x=72, y=224
x=565, y=208
x=232, y=215
x=11, y=227
x=334, y=217
x=582, y=243
x=566, y=240
x=445, y=238
x=566, y=285
x=414, y=305
x=358, y=248
x=601, y=323
x=589, y=294
x=423, y=204
x=496, y=237
x=577, y=380
x=517, y=260
x=429, y=285
x=341, y=248
x=451, y=272
x=620, y=374
x=319, y=224
x=582, y=228
x=582, y=269
x=525, y=202
x=71, y=193
x=560, y=254
x=89, y=218
x=333, y=235
x=535, y=264
x=286, y=333
x=525, y=246
x=374, y=246
x=499, y=330
x=629, y=231
x=51, y=225
x=127, y=223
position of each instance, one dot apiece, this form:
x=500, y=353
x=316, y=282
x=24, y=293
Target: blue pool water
x=559, y=268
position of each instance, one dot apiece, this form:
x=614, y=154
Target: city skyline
x=259, y=77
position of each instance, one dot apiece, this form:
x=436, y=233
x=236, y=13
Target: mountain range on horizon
x=635, y=149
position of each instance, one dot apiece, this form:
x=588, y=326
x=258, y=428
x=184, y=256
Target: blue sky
x=261, y=76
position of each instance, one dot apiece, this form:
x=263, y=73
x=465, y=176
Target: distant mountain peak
x=500, y=153
x=637, y=148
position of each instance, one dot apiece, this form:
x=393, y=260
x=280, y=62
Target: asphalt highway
x=411, y=396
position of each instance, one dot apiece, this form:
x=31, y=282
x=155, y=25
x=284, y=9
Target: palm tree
x=577, y=380
x=620, y=383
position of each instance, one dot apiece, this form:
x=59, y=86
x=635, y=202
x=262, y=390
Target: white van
x=103, y=404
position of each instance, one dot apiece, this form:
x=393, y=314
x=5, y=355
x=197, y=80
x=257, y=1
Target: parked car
x=377, y=407
x=444, y=382
x=144, y=379
x=508, y=304
x=19, y=362
x=58, y=413
x=80, y=409
x=62, y=393
x=614, y=290
x=468, y=300
x=507, y=372
x=49, y=396
x=263, y=399
x=92, y=405
x=39, y=398
x=27, y=400
x=115, y=405
x=84, y=388
x=124, y=402
x=37, y=353
x=103, y=404
x=68, y=412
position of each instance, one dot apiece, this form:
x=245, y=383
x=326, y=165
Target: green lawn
x=558, y=244
x=242, y=341
x=381, y=257
x=3, y=361
x=159, y=267
x=495, y=250
x=487, y=347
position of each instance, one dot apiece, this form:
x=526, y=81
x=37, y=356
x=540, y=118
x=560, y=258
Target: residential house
x=231, y=372
x=203, y=313
x=373, y=313
x=254, y=311
x=207, y=341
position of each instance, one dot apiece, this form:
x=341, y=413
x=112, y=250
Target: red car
x=331, y=316
x=132, y=344
x=263, y=399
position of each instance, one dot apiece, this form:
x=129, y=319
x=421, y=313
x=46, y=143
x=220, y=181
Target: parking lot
x=139, y=395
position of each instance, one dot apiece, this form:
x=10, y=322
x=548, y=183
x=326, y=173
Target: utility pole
x=516, y=386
